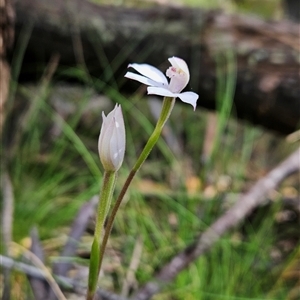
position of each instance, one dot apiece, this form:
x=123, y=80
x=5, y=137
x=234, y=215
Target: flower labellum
x=158, y=83
x=111, y=143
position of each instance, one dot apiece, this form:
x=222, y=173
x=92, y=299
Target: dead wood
x=9, y=263
x=78, y=227
x=243, y=207
x=104, y=39
x=39, y=287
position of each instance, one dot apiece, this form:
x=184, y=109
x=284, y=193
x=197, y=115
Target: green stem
x=108, y=185
x=166, y=110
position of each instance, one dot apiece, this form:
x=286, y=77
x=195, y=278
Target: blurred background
x=63, y=63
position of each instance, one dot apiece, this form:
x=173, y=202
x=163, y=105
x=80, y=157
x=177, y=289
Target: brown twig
x=39, y=287
x=9, y=263
x=130, y=280
x=231, y=218
x=78, y=227
x=28, y=255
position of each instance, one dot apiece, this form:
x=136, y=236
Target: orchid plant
x=111, y=146
x=158, y=83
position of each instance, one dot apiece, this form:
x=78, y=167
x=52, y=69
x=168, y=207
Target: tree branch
x=78, y=227
x=64, y=282
x=39, y=287
x=230, y=219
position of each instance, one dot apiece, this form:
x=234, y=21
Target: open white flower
x=111, y=143
x=158, y=83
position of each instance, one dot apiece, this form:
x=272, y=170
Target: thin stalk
x=108, y=185
x=166, y=110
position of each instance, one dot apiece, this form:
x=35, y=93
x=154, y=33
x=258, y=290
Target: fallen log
x=104, y=39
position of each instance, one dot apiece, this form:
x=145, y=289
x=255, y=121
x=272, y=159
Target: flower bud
x=111, y=144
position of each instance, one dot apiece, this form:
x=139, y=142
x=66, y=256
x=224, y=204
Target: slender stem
x=166, y=110
x=108, y=186
x=105, y=197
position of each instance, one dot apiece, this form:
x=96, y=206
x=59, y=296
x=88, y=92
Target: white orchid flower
x=111, y=143
x=158, y=83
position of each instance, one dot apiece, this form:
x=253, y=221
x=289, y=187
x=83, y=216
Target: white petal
x=189, y=97
x=178, y=82
x=150, y=72
x=141, y=79
x=160, y=91
x=180, y=64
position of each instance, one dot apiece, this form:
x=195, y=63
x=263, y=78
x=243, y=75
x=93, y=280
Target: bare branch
x=39, y=287
x=77, y=229
x=9, y=263
x=130, y=280
x=230, y=219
